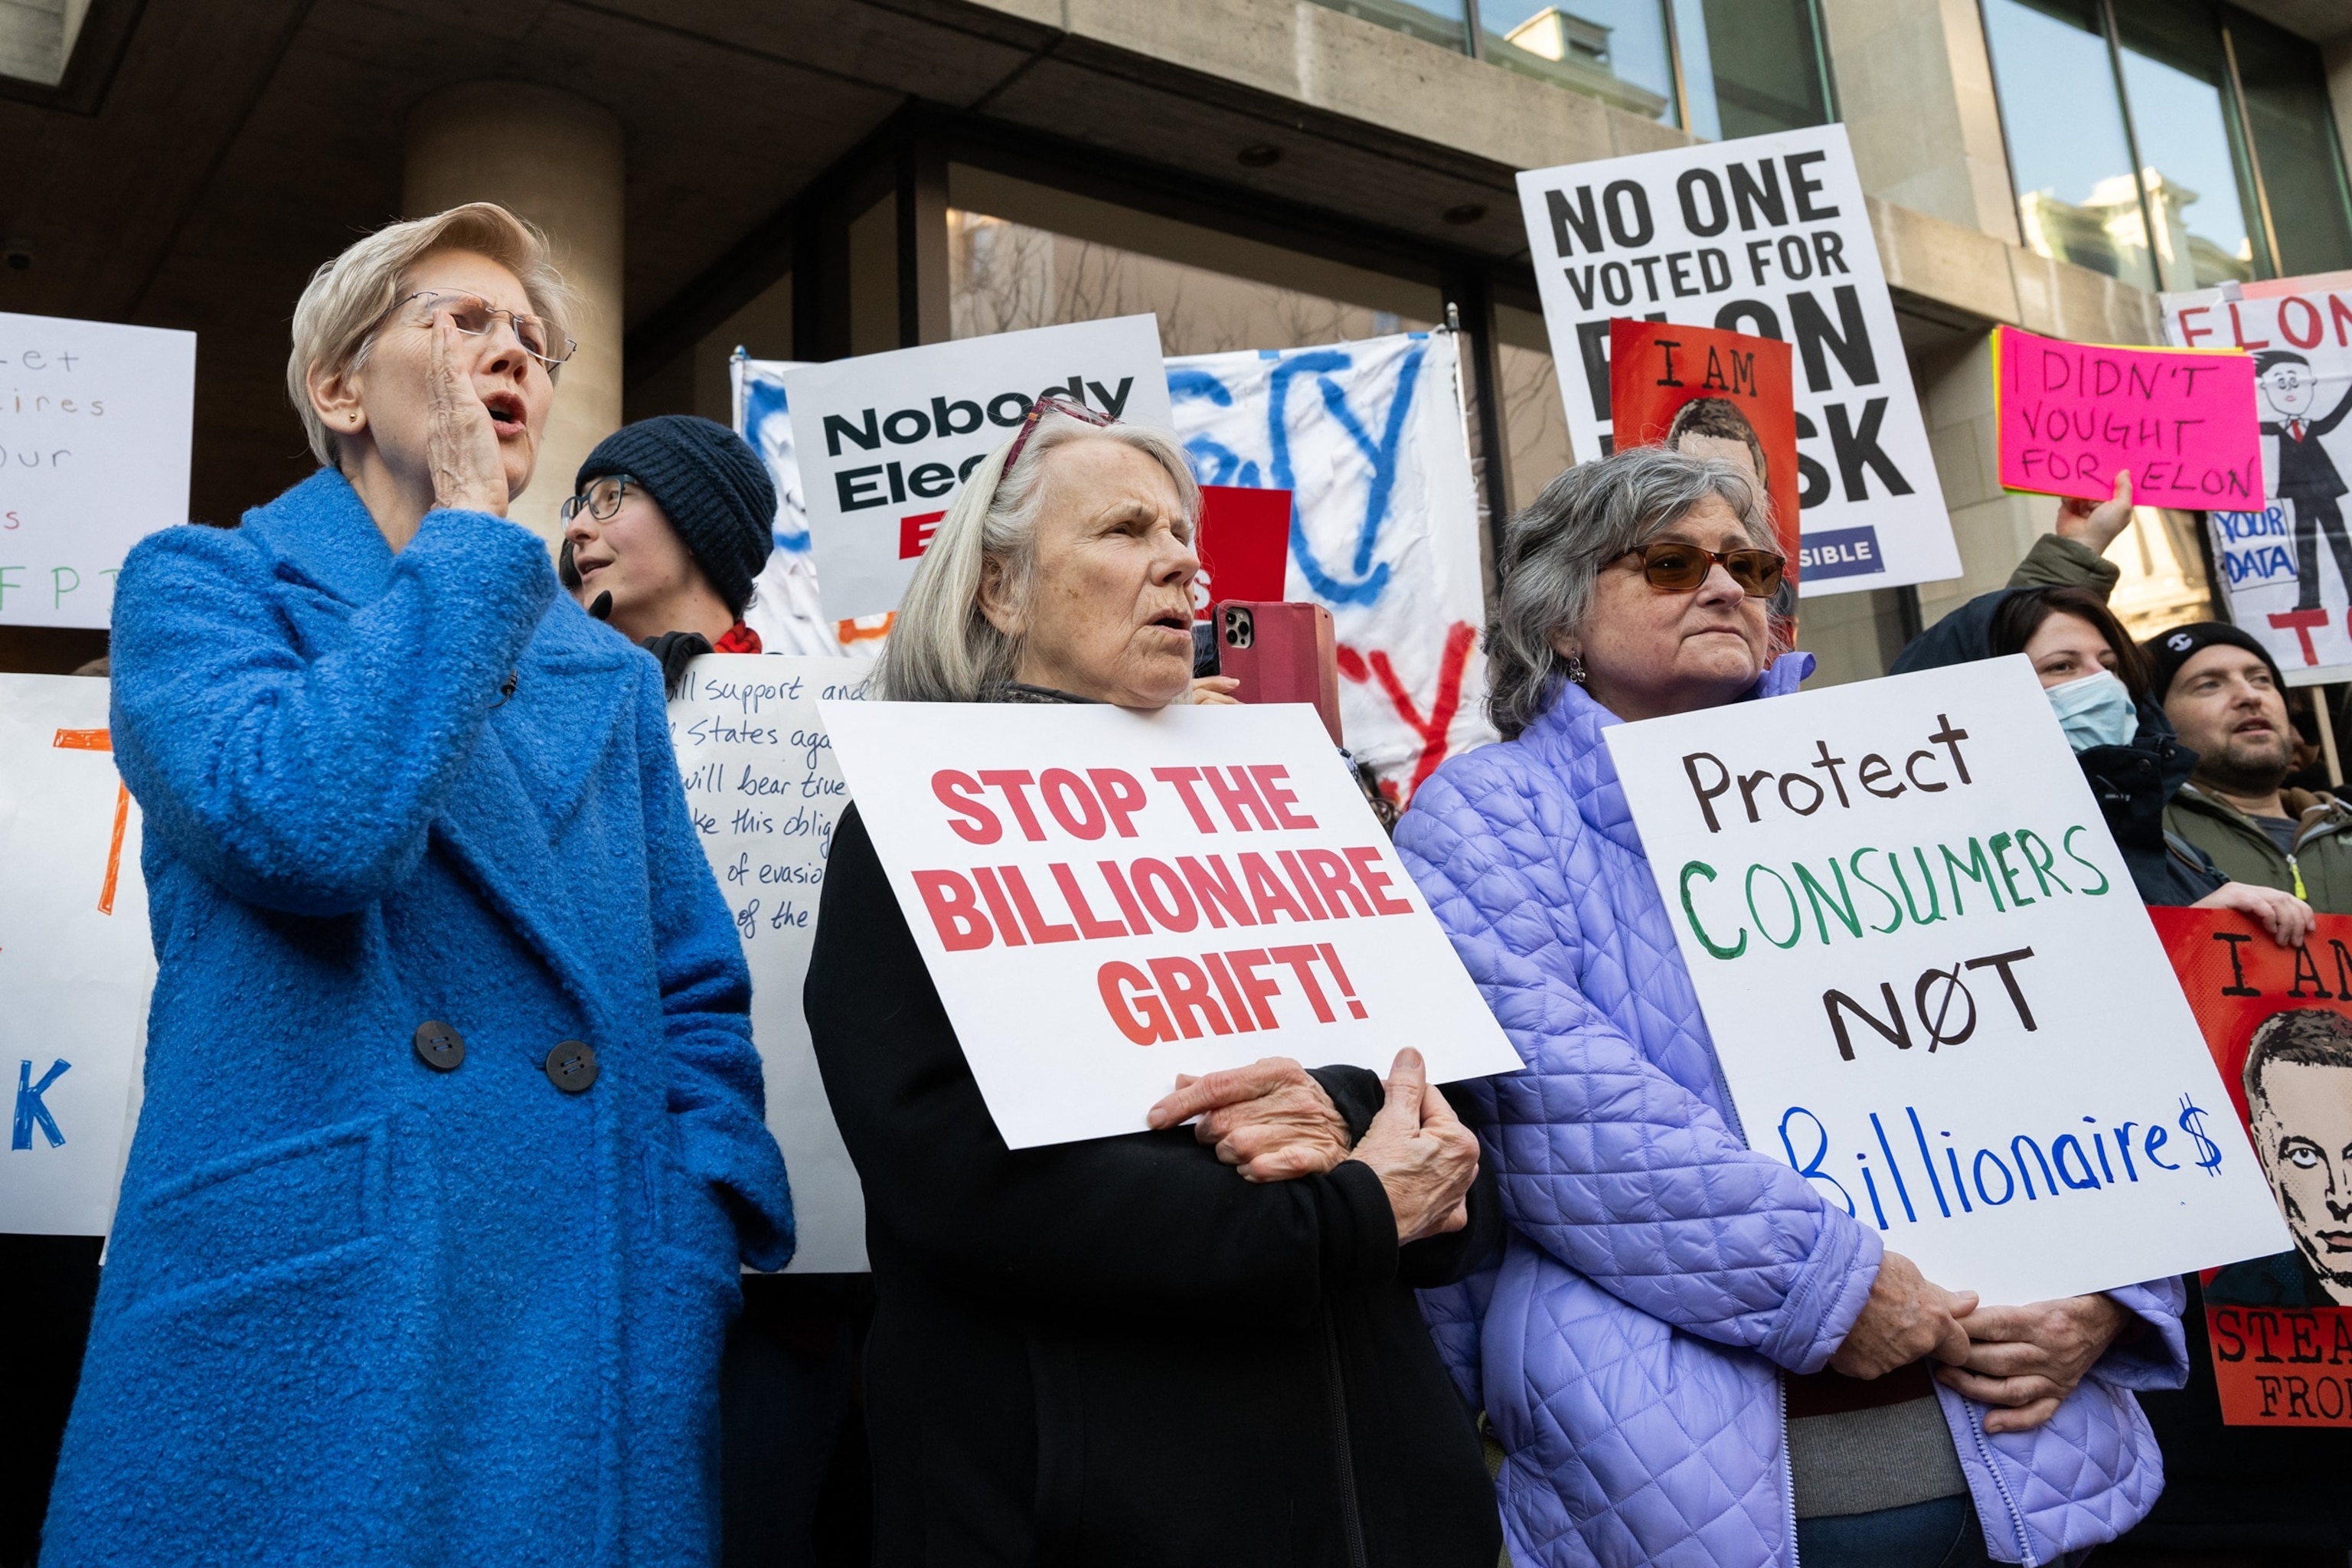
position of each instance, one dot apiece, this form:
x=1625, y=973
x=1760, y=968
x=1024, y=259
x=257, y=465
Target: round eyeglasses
x=472, y=315
x=601, y=500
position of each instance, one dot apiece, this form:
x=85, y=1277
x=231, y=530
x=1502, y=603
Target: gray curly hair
x=1553, y=552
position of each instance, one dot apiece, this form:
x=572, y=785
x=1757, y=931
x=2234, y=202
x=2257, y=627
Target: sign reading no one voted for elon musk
x=884, y=439
x=1107, y=898
x=1933, y=989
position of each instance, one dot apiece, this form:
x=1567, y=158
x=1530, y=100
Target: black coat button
x=439, y=1046
x=571, y=1066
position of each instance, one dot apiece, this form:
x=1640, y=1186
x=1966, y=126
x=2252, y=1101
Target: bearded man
x=2223, y=694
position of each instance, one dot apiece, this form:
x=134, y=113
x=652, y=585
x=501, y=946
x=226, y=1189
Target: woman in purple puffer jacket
x=1686, y=1356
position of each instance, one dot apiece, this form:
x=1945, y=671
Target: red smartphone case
x=1280, y=652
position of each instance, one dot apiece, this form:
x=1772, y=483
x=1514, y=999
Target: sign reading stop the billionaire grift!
x=1107, y=898
x=1933, y=989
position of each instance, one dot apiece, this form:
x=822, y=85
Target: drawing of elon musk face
x=2286, y=383
x=2298, y=1082
x=1714, y=428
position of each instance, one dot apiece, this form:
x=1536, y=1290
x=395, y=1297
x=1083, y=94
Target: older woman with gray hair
x=1686, y=1353
x=1178, y=1346
x=452, y=1140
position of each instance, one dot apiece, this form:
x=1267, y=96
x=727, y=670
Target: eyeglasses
x=1037, y=411
x=1678, y=568
x=472, y=315
x=601, y=500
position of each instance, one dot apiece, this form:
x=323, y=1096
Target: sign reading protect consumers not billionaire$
x=1106, y=899
x=1933, y=989
x=1767, y=236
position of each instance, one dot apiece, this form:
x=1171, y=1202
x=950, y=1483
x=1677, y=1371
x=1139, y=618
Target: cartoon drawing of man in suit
x=2306, y=475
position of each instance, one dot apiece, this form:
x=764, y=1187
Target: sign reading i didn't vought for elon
x=1932, y=988
x=1767, y=236
x=2278, y=1022
x=884, y=440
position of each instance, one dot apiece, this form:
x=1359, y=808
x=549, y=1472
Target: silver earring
x=1576, y=668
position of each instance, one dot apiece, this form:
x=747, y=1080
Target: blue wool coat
x=358, y=1309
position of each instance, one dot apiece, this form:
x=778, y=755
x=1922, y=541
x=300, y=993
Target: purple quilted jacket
x=1659, y=1274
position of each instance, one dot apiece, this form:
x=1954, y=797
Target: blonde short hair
x=348, y=297
x=942, y=648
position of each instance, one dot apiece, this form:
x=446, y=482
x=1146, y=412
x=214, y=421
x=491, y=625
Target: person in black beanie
x=669, y=521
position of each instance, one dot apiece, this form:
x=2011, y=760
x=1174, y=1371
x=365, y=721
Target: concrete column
x=1915, y=88
x=556, y=159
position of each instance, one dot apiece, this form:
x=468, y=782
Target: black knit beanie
x=2169, y=650
x=712, y=486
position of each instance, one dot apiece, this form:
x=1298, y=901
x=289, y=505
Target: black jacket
x=2133, y=783
x=1117, y=1352
x=2306, y=470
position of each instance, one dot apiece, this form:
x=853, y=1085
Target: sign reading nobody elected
x=1106, y=899
x=1766, y=235
x=764, y=793
x=2072, y=415
x=884, y=439
x=96, y=422
x=1933, y=989
x=75, y=961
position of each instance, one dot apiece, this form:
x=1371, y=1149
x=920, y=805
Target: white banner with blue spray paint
x=1370, y=439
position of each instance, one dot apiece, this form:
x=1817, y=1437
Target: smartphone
x=1280, y=652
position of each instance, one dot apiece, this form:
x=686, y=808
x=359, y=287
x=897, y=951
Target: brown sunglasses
x=1677, y=568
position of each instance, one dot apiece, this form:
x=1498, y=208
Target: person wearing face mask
x=2097, y=683
x=669, y=521
x=2223, y=693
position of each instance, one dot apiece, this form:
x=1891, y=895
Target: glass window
x=1615, y=51
x=1021, y=255
x=1750, y=66
x=2068, y=150
x=2173, y=77
x=1436, y=20
x=2295, y=146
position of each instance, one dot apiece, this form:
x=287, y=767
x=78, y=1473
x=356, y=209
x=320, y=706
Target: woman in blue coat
x=452, y=1136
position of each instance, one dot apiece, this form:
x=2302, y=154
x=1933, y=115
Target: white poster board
x=1767, y=236
x=76, y=965
x=1369, y=440
x=765, y=792
x=96, y=423
x=1932, y=987
x=883, y=440
x=1191, y=890
x=2285, y=572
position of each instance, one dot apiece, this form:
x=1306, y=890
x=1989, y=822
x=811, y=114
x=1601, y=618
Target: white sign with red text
x=883, y=440
x=1106, y=899
x=2283, y=568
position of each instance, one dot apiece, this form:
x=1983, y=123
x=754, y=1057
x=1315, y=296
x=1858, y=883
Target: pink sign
x=2182, y=421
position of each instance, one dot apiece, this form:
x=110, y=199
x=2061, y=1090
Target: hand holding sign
x=2181, y=420
x=1269, y=1117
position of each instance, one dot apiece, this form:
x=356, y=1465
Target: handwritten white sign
x=1106, y=899
x=765, y=792
x=96, y=421
x=1932, y=987
x=76, y=966
x=884, y=440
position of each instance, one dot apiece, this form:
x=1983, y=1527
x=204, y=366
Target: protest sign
x=76, y=966
x=784, y=609
x=2268, y=574
x=1107, y=898
x=1768, y=236
x=1715, y=395
x=96, y=422
x=1932, y=987
x=1370, y=438
x=765, y=792
x=1244, y=544
x=2071, y=416
x=883, y=440
x=2281, y=1326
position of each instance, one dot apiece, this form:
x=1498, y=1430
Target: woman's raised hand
x=1906, y=1316
x=1424, y=1157
x=2096, y=524
x=2024, y=1361
x=461, y=445
x=1270, y=1118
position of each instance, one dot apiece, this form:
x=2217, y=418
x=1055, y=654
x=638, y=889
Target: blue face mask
x=2096, y=710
